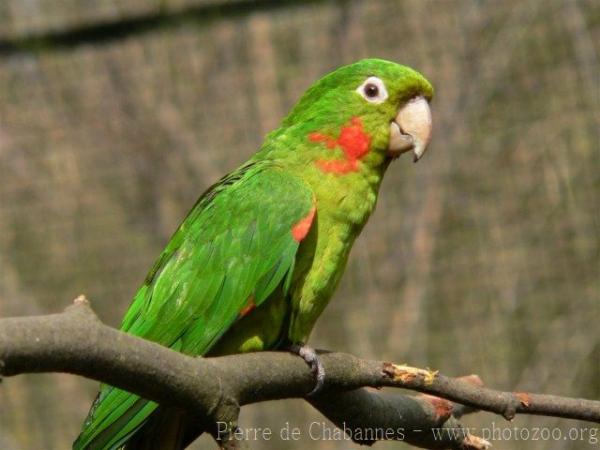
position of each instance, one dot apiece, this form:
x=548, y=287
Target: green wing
x=235, y=243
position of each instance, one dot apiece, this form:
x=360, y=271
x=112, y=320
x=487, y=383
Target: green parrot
x=258, y=257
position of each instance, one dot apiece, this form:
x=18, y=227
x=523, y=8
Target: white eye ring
x=373, y=90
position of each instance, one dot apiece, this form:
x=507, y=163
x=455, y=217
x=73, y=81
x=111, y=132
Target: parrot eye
x=373, y=90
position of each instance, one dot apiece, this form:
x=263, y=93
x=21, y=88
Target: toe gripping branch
x=309, y=355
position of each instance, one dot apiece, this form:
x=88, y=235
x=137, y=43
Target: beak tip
x=419, y=151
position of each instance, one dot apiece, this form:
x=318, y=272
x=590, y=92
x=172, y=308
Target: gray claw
x=309, y=355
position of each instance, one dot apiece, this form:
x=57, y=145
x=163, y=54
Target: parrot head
x=370, y=111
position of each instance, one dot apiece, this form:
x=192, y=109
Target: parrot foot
x=309, y=355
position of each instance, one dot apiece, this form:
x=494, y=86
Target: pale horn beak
x=411, y=129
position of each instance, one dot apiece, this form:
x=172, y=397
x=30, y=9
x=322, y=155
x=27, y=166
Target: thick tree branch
x=214, y=388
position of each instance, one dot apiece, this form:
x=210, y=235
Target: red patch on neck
x=302, y=227
x=338, y=166
x=353, y=141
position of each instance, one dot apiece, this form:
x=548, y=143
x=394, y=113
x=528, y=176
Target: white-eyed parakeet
x=258, y=257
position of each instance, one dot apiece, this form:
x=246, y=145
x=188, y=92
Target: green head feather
x=336, y=99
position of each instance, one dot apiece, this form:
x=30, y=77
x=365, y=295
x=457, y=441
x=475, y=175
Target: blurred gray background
x=483, y=258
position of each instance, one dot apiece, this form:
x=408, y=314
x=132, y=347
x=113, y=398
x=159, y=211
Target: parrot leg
x=309, y=355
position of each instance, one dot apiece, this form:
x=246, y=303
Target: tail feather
x=114, y=418
x=164, y=430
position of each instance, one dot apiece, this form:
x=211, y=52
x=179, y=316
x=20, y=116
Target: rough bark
x=75, y=341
